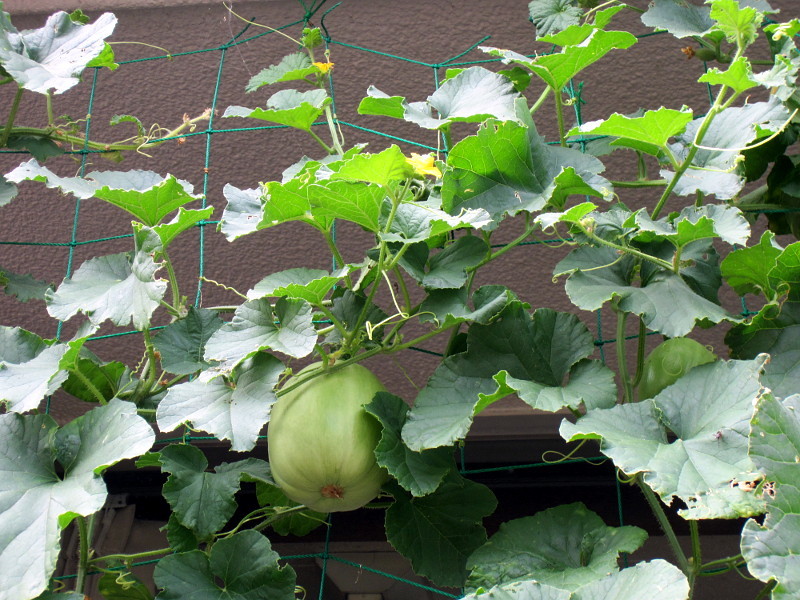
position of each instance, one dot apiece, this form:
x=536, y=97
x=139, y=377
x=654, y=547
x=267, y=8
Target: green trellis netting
x=211, y=135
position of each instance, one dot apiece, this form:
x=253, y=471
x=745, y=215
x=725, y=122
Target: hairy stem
x=11, y=116
x=89, y=385
x=84, y=543
x=658, y=511
x=562, y=134
x=622, y=361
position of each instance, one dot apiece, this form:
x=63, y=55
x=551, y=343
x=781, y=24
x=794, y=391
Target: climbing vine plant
x=716, y=437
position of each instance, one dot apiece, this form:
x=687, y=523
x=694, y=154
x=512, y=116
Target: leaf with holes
x=38, y=501
x=232, y=409
x=53, y=57
x=708, y=410
x=242, y=567
x=438, y=532
x=567, y=547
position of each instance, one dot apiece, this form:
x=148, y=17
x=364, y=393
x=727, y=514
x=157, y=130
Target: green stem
x=622, y=361
x=640, y=348
x=128, y=558
x=403, y=288
x=640, y=183
x=151, y=355
x=658, y=510
x=83, y=553
x=626, y=249
x=697, y=556
x=512, y=244
x=337, y=256
x=334, y=321
x=562, y=135
x=337, y=143
x=11, y=116
x=321, y=142
x=540, y=100
x=173, y=282
x=278, y=516
x=50, y=119
x=730, y=562
x=766, y=590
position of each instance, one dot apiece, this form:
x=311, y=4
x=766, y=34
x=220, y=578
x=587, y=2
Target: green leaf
x=229, y=410
x=738, y=76
x=24, y=287
x=60, y=596
x=785, y=276
x=678, y=17
x=54, y=56
x=420, y=221
x=32, y=368
x=33, y=171
x=708, y=410
x=557, y=69
x=771, y=548
x=106, y=377
x=182, y=343
x=449, y=306
x=382, y=169
x=287, y=327
x=38, y=502
x=106, y=59
x=242, y=214
x=567, y=547
x=39, y=147
x=123, y=585
x=8, y=191
x=438, y=532
x=739, y=24
x=665, y=301
x=417, y=472
x=241, y=567
x=146, y=195
x=119, y=287
x=311, y=285
x=180, y=538
x=746, y=269
x=551, y=16
x=355, y=202
x=203, y=501
x=782, y=372
x=287, y=107
x=695, y=223
x=297, y=523
x=472, y=96
x=655, y=580
x=540, y=356
x=140, y=130
x=291, y=68
x=167, y=232
x=448, y=268
x=507, y=168
x=713, y=170
x=648, y=133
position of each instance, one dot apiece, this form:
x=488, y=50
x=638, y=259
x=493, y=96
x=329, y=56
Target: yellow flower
x=324, y=67
x=423, y=165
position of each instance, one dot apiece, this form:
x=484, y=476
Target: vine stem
x=697, y=556
x=11, y=116
x=766, y=590
x=640, y=183
x=632, y=251
x=512, y=244
x=730, y=562
x=173, y=281
x=131, y=557
x=278, y=516
x=540, y=100
x=50, y=119
x=640, y=348
x=85, y=527
x=658, y=511
x=622, y=362
x=562, y=135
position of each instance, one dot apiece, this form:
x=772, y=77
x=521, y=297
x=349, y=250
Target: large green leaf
x=708, y=410
x=739, y=23
x=53, y=57
x=655, y=580
x=771, y=548
x=541, y=357
x=203, y=501
x=234, y=410
x=241, y=567
x=474, y=95
x=665, y=301
x=24, y=287
x=679, y=17
x=242, y=213
x=418, y=472
x=182, y=343
x=551, y=16
x=359, y=203
x=119, y=287
x=37, y=502
x=167, y=232
x=647, y=133
x=451, y=306
x=747, y=269
x=557, y=69
x=33, y=171
x=382, y=168
x=782, y=372
x=293, y=67
x=567, y=547
x=311, y=285
x=32, y=368
x=257, y=325
x=287, y=107
x=419, y=221
x=438, y=532
x=738, y=76
x=146, y=195
x=695, y=223
x=507, y=168
x=712, y=170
